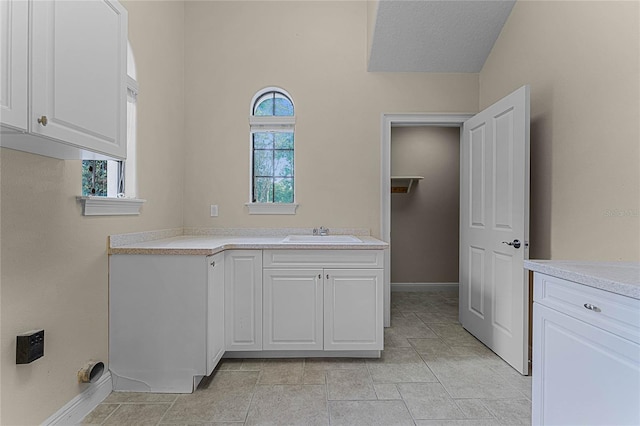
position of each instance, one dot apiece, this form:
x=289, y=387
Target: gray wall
x=424, y=222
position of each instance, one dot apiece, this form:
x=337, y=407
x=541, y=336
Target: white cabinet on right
x=353, y=309
x=586, y=355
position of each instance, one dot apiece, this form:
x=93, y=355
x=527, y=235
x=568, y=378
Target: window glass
x=273, y=150
x=94, y=178
x=273, y=104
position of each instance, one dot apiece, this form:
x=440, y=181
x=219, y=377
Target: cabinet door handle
x=213, y=263
x=327, y=276
x=319, y=276
x=591, y=307
x=43, y=120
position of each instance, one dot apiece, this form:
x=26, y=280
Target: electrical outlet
x=214, y=210
x=29, y=346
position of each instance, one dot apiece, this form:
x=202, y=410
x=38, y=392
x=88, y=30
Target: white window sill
x=272, y=208
x=109, y=206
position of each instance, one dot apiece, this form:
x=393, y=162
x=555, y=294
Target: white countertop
x=617, y=277
x=208, y=245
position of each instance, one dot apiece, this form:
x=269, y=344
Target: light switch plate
x=214, y=210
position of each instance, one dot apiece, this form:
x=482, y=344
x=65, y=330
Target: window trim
x=110, y=206
x=272, y=208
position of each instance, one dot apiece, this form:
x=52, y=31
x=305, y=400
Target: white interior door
x=494, y=227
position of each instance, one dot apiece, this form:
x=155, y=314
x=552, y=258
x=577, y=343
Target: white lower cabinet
x=215, y=311
x=243, y=300
x=292, y=309
x=166, y=322
x=586, y=355
x=173, y=317
x=328, y=300
x=353, y=311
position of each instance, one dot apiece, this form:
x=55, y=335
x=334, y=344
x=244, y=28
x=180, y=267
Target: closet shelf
x=402, y=184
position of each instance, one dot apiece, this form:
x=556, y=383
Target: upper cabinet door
x=78, y=86
x=14, y=29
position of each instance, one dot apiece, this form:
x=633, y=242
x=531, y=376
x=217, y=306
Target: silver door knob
x=514, y=243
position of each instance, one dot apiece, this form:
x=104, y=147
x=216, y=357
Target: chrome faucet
x=322, y=231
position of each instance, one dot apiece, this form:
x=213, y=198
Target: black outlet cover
x=29, y=346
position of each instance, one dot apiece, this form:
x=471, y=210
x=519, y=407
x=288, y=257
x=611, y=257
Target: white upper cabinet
x=13, y=57
x=77, y=76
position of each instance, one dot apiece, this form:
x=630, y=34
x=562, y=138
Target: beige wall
x=424, y=222
x=582, y=62
x=54, y=261
x=232, y=50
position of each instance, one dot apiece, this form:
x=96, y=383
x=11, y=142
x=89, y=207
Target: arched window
x=113, y=178
x=272, y=123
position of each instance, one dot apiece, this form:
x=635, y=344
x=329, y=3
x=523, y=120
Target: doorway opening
x=494, y=219
x=425, y=206
x=390, y=121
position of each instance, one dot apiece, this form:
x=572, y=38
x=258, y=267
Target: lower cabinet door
x=582, y=374
x=353, y=311
x=292, y=309
x=243, y=300
x=215, y=310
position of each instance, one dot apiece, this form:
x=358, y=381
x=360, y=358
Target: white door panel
x=494, y=206
x=13, y=63
x=243, y=300
x=215, y=311
x=79, y=56
x=292, y=308
x=353, y=309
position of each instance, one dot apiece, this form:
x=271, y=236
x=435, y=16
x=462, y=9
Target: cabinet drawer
x=323, y=258
x=615, y=313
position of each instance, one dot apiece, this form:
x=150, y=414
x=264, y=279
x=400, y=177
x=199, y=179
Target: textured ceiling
x=436, y=35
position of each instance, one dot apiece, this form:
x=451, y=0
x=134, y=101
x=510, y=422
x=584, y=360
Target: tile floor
x=432, y=372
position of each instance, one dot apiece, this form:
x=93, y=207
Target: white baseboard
x=303, y=354
x=424, y=287
x=75, y=410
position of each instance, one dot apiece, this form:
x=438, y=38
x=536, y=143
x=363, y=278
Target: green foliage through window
x=94, y=177
x=273, y=104
x=102, y=178
x=273, y=167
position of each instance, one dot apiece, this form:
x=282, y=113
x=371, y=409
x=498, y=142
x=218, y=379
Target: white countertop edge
x=269, y=232
x=203, y=245
x=616, y=277
x=121, y=240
